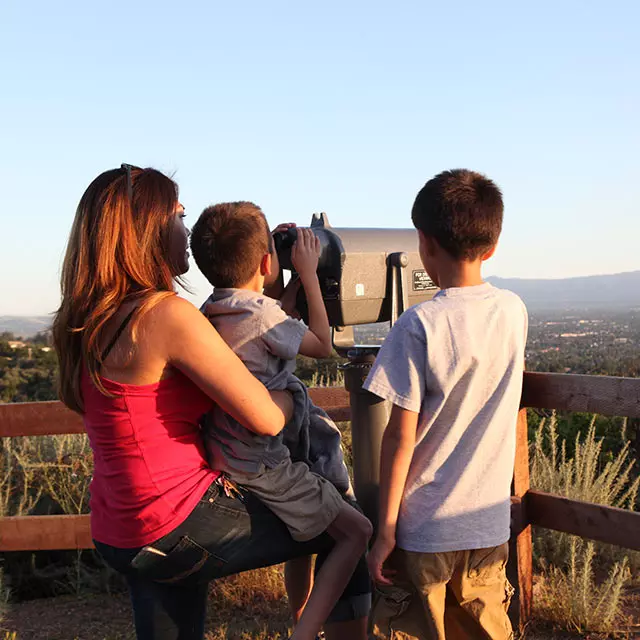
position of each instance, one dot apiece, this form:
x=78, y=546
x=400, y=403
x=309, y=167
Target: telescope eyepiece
x=284, y=240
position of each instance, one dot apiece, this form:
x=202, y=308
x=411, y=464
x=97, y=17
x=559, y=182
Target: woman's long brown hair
x=118, y=250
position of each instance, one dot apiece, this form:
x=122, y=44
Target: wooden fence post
x=519, y=569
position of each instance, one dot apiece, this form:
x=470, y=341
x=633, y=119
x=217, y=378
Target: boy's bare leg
x=298, y=580
x=351, y=531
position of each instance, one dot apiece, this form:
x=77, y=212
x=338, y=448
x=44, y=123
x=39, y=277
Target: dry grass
x=251, y=605
x=20, y=486
x=5, y=594
x=583, y=476
x=569, y=594
x=572, y=598
x=327, y=380
x=59, y=467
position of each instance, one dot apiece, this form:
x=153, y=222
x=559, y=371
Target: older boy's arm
x=398, y=445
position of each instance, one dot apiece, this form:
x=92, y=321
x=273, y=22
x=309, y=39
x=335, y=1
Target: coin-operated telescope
x=366, y=276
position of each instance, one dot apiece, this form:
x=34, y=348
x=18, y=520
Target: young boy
x=298, y=473
x=452, y=368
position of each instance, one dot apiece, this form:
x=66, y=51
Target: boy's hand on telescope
x=316, y=342
x=376, y=558
x=305, y=253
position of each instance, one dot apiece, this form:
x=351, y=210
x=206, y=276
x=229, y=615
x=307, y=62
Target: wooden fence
x=595, y=394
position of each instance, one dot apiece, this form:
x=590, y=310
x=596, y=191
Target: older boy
x=452, y=368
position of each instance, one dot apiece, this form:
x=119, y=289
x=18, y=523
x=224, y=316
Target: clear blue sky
x=343, y=107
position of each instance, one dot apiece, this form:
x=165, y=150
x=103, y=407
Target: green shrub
x=582, y=477
x=570, y=594
x=613, y=431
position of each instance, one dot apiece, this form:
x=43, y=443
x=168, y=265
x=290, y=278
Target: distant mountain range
x=24, y=326
x=616, y=292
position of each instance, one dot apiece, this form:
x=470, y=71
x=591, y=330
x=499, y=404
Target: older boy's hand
x=376, y=558
x=305, y=253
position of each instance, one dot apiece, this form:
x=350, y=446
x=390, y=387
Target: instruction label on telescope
x=421, y=281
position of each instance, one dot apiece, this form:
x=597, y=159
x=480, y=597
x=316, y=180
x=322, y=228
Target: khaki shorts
x=306, y=502
x=453, y=595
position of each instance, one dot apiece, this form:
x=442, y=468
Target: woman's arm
x=193, y=346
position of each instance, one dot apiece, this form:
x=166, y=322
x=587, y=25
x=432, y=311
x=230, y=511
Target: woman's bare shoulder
x=173, y=314
x=171, y=307
x=141, y=354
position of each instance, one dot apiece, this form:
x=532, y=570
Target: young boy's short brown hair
x=228, y=241
x=462, y=210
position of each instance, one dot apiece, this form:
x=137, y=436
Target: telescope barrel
x=360, y=271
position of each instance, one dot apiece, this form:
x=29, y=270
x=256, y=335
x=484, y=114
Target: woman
x=142, y=366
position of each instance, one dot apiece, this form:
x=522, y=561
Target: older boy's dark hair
x=462, y=210
x=228, y=241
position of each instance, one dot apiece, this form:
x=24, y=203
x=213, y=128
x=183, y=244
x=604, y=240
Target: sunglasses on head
x=128, y=168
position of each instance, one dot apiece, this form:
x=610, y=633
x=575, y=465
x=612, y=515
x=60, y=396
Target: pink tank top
x=150, y=469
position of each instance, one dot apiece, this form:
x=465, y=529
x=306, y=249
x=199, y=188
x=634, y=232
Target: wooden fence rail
x=53, y=418
x=593, y=521
x=58, y=532
x=594, y=394
x=606, y=395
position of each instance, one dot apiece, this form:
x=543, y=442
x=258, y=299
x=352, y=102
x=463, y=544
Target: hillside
x=615, y=292
x=24, y=326
x=620, y=291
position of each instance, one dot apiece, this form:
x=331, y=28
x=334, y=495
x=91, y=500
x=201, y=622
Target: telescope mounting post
x=369, y=413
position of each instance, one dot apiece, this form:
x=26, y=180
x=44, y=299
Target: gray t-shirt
x=457, y=360
x=262, y=335
x=267, y=340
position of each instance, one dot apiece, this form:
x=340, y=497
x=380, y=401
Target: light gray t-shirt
x=262, y=335
x=457, y=360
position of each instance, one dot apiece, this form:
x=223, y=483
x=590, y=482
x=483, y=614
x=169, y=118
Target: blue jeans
x=222, y=536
